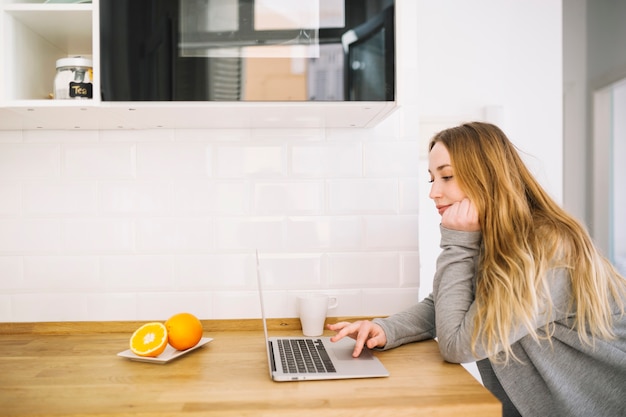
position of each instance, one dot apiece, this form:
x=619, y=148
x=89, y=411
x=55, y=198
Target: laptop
x=327, y=360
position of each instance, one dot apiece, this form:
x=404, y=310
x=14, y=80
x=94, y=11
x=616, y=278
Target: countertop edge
x=99, y=327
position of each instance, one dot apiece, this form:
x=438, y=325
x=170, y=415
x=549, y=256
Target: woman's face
x=445, y=190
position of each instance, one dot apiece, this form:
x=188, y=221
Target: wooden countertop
x=63, y=369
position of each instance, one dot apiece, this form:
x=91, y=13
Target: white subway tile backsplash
x=214, y=272
x=364, y=270
x=251, y=161
x=409, y=195
x=123, y=197
x=363, y=196
x=11, y=273
x=304, y=197
x=11, y=136
x=194, y=197
x=30, y=236
x=98, y=235
x=327, y=160
x=269, y=135
x=214, y=135
x=341, y=134
x=135, y=272
x=111, y=306
x=391, y=158
x=59, y=198
x=163, y=305
x=26, y=161
x=361, y=302
x=142, y=224
x=246, y=305
x=395, y=127
x=250, y=233
x=6, y=309
x=61, y=136
x=202, y=197
x=99, y=160
x=389, y=232
x=55, y=272
x=10, y=199
x=349, y=302
x=384, y=302
x=174, y=234
x=174, y=160
x=323, y=232
x=42, y=306
x=231, y=198
x=144, y=135
x=411, y=126
x=282, y=272
x=342, y=298
x=410, y=269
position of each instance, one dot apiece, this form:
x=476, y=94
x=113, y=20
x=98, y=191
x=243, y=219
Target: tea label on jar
x=73, y=78
x=82, y=90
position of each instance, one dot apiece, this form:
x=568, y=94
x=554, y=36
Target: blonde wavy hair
x=524, y=235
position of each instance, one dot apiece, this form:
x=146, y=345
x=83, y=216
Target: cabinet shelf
x=35, y=36
x=89, y=115
x=66, y=26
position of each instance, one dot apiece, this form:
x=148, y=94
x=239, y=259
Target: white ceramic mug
x=312, y=309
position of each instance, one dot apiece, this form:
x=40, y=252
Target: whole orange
x=184, y=331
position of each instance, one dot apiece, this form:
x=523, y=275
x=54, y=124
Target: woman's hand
x=364, y=332
x=461, y=216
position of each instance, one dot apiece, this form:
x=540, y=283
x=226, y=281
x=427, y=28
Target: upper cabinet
x=200, y=63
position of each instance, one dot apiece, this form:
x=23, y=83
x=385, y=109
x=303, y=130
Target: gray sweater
x=563, y=378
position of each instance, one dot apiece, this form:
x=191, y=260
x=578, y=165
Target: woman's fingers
x=365, y=333
x=344, y=329
x=461, y=216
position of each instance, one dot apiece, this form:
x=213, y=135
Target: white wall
x=137, y=225
x=498, y=61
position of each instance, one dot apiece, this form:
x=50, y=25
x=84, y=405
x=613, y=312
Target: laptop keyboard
x=304, y=356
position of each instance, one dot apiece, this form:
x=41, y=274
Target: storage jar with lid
x=73, y=78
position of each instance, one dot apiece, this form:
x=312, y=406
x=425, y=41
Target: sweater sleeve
x=449, y=312
x=453, y=293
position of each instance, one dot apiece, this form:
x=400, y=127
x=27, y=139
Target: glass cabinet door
x=247, y=50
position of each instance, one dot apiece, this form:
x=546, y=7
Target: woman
x=519, y=287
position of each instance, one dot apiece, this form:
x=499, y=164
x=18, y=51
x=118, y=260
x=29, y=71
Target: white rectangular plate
x=168, y=354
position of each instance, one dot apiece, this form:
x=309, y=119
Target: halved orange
x=149, y=340
x=184, y=330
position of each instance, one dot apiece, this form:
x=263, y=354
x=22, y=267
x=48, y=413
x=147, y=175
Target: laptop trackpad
x=344, y=353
